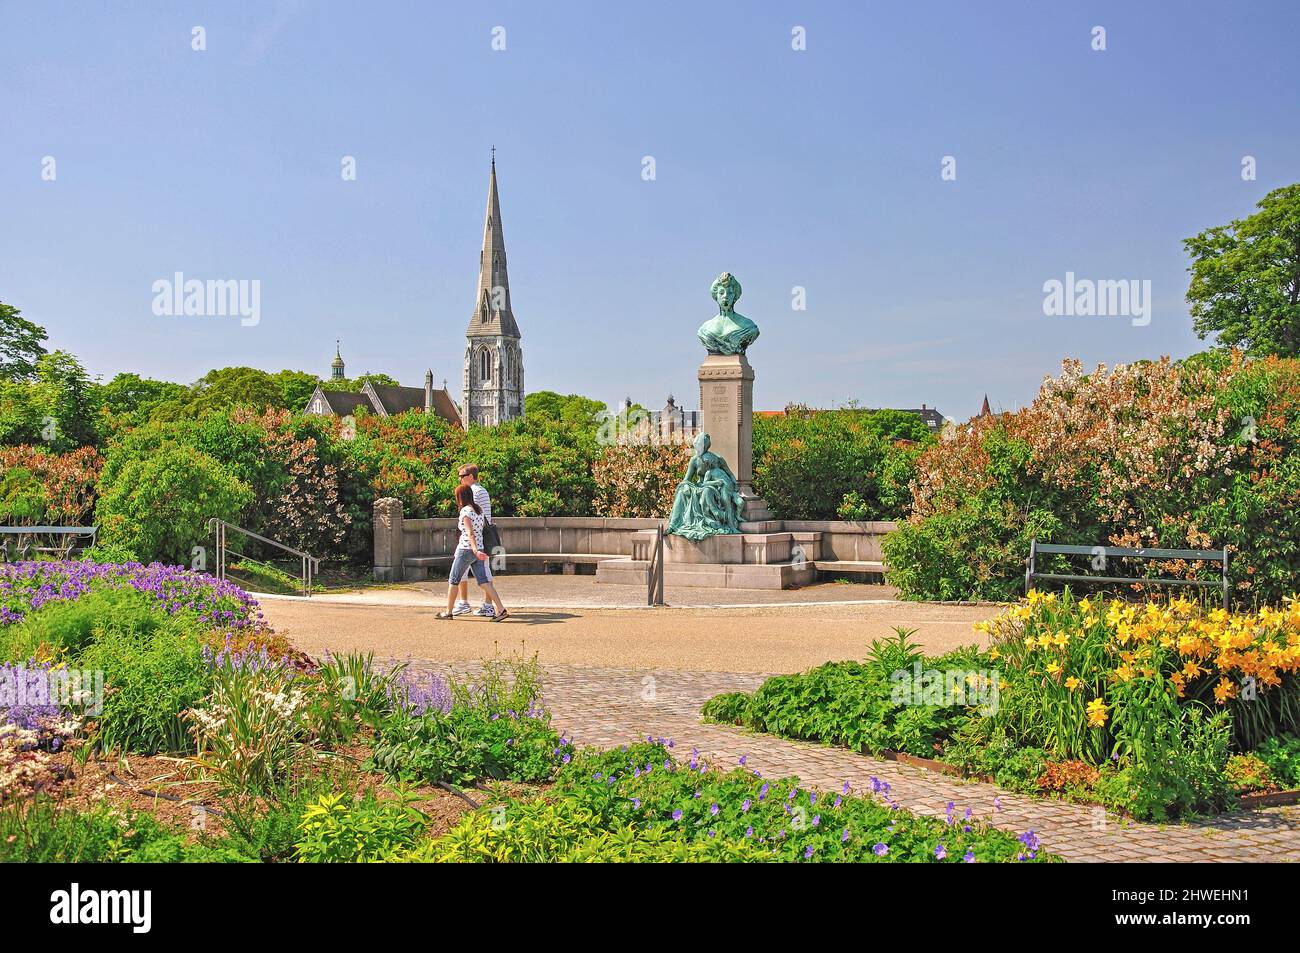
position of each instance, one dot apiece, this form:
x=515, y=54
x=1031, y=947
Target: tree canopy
x=21, y=344
x=1245, y=285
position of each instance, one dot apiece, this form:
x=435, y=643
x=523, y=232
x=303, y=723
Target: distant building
x=985, y=411
x=384, y=400
x=336, y=368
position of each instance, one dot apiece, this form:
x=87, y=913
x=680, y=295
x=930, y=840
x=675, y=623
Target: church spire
x=492, y=313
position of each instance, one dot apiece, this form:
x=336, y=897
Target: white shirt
x=483, y=500
x=476, y=520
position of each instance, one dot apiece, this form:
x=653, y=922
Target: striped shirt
x=483, y=500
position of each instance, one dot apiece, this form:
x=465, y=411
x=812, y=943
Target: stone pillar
x=388, y=539
x=727, y=416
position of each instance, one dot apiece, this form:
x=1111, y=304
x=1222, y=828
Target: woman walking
x=470, y=556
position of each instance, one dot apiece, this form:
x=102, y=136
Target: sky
x=912, y=177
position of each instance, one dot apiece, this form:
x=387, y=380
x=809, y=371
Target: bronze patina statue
x=727, y=332
x=707, y=501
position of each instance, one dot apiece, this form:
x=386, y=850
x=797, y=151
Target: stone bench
x=417, y=567
x=849, y=567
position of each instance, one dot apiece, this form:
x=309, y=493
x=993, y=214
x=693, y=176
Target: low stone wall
x=852, y=542
x=398, y=539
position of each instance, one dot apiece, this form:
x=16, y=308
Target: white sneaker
x=461, y=608
x=486, y=610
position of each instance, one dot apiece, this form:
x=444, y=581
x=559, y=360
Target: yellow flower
x=1224, y=690
x=1097, y=713
x=1071, y=683
x=1053, y=668
x=1085, y=604
x=994, y=653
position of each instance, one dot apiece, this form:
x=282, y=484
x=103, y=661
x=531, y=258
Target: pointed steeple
x=985, y=411
x=336, y=366
x=492, y=313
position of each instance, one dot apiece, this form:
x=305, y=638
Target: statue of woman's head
x=701, y=444
x=725, y=290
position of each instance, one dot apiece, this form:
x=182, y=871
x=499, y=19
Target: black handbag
x=491, y=539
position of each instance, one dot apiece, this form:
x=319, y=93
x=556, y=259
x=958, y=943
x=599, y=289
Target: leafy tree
x=128, y=394
x=296, y=387
x=20, y=344
x=1246, y=278
x=571, y=408
x=54, y=410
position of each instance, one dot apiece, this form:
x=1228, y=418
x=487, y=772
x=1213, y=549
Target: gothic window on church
x=484, y=365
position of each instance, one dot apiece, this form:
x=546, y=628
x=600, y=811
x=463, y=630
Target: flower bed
x=638, y=803
x=1138, y=707
x=26, y=586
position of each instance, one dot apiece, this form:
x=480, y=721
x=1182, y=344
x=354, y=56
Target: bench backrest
x=1219, y=556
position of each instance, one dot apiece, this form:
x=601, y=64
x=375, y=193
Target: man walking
x=469, y=477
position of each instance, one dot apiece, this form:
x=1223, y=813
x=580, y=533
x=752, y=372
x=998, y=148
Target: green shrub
x=808, y=463
x=42, y=832
x=153, y=671
x=729, y=708
x=1282, y=755
x=64, y=629
x=336, y=828
x=159, y=506
x=858, y=705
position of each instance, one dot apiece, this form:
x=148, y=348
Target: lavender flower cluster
x=26, y=586
x=418, y=695
x=30, y=703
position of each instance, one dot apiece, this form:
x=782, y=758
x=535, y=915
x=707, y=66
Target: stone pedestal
x=388, y=540
x=727, y=413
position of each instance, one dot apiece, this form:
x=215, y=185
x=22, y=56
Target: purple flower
x=970, y=857
x=742, y=760
x=845, y=836
x=746, y=805
x=713, y=809
x=677, y=814
x=940, y=852
x=762, y=792
x=749, y=831
x=880, y=850
x=808, y=852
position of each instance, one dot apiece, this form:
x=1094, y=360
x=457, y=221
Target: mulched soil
x=161, y=786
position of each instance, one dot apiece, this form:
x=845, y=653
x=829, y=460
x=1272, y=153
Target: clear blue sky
x=818, y=169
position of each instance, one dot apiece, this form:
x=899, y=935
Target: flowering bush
x=25, y=587
x=1196, y=454
x=42, y=488
x=639, y=480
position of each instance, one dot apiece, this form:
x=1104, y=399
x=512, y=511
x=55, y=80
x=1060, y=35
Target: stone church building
x=493, y=385
x=492, y=388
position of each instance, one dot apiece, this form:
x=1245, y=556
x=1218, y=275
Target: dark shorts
x=465, y=561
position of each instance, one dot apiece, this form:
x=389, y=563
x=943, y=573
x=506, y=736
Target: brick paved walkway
x=605, y=707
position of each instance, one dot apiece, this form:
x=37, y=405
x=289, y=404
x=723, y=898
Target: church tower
x=336, y=368
x=494, y=370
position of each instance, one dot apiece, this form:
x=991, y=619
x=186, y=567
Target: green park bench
x=1102, y=554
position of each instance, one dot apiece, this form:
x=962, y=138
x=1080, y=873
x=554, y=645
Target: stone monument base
x=763, y=560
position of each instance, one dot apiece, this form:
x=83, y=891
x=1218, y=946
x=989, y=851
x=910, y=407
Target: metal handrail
x=310, y=563
x=655, y=575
